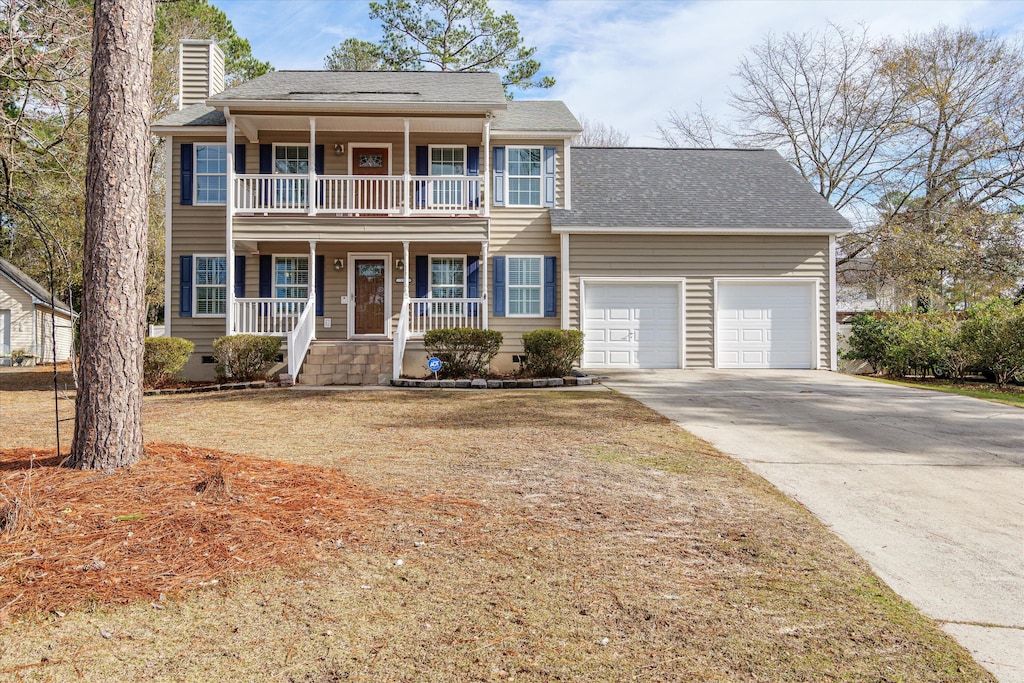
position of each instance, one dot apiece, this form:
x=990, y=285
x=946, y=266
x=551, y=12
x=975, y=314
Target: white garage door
x=634, y=325
x=765, y=325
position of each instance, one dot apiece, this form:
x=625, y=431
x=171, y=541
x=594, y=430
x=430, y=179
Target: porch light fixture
x=339, y=149
x=339, y=264
x=399, y=264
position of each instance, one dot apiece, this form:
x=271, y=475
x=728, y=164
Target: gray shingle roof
x=371, y=86
x=535, y=115
x=692, y=188
x=194, y=115
x=37, y=291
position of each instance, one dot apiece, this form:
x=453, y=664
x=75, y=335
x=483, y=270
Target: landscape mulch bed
x=180, y=519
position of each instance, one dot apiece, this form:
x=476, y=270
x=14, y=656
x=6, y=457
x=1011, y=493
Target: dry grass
x=608, y=545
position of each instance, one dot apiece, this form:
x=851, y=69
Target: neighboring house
x=26, y=323
x=349, y=212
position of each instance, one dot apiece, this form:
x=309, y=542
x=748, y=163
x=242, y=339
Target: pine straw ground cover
x=541, y=537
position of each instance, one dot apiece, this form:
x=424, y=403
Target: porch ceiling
x=323, y=229
x=371, y=124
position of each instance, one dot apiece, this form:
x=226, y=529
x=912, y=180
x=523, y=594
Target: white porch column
x=406, y=176
x=485, y=172
x=229, y=241
x=168, y=225
x=311, y=193
x=312, y=280
x=483, y=284
x=405, y=276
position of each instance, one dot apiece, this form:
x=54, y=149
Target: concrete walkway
x=928, y=487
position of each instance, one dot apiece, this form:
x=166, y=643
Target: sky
x=623, y=63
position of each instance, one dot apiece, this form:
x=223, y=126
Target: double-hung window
x=447, y=281
x=524, y=176
x=291, y=277
x=447, y=161
x=525, y=282
x=211, y=174
x=211, y=278
x=291, y=160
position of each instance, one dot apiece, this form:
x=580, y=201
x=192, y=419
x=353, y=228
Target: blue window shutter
x=473, y=281
x=549, y=177
x=473, y=168
x=266, y=159
x=240, y=157
x=319, y=284
x=498, y=198
x=185, y=287
x=266, y=276
x=185, y=166
x=499, y=286
x=550, y=286
x=422, y=276
x=318, y=167
x=239, y=276
x=422, y=160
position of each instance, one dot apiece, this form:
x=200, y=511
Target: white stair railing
x=300, y=337
x=433, y=314
x=400, y=338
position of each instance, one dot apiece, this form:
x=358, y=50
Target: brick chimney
x=200, y=71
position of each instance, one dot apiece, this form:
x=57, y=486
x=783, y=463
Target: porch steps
x=347, y=362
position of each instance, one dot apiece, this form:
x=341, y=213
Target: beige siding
x=202, y=72
x=700, y=259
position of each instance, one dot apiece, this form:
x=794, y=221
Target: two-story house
x=349, y=212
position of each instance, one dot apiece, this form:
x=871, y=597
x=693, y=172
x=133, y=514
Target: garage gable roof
x=39, y=295
x=629, y=189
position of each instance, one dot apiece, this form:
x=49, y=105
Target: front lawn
x=1010, y=395
x=567, y=536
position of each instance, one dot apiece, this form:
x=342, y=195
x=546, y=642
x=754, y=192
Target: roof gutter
x=683, y=230
x=312, y=107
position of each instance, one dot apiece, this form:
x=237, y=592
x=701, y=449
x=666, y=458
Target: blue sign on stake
x=433, y=364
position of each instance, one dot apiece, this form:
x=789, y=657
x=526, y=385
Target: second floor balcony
x=359, y=195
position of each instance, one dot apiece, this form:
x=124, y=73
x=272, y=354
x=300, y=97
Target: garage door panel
x=765, y=325
x=631, y=325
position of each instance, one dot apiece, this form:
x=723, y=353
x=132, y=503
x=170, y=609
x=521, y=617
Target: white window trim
x=388, y=258
x=430, y=157
x=812, y=282
x=430, y=272
x=196, y=285
x=355, y=145
x=680, y=282
x=196, y=174
x=273, y=158
x=273, y=277
x=508, y=286
x=508, y=176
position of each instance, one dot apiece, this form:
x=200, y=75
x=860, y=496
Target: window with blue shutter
x=473, y=169
x=239, y=276
x=473, y=282
x=549, y=177
x=266, y=276
x=499, y=286
x=186, y=159
x=550, y=286
x=498, y=171
x=422, y=168
x=240, y=157
x=266, y=168
x=319, y=279
x=422, y=281
x=185, y=286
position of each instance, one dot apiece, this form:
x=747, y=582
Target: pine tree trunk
x=108, y=409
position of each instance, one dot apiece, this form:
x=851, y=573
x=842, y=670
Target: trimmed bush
x=245, y=357
x=867, y=340
x=552, y=353
x=163, y=358
x=464, y=351
x=995, y=334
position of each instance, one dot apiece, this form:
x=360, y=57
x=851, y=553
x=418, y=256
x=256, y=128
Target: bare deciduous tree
x=108, y=408
x=599, y=134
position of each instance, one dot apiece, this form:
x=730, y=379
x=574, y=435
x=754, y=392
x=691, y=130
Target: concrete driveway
x=928, y=487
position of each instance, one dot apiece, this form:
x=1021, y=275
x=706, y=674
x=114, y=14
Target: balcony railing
x=359, y=195
x=435, y=314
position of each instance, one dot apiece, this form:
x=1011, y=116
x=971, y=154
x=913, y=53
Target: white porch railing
x=300, y=337
x=434, y=314
x=401, y=336
x=364, y=195
x=275, y=317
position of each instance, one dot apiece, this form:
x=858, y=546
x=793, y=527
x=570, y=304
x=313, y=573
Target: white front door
x=765, y=325
x=631, y=325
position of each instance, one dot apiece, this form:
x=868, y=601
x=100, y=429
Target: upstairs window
x=291, y=159
x=524, y=176
x=447, y=160
x=211, y=174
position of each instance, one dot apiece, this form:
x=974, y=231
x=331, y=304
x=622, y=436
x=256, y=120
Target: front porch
x=353, y=294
